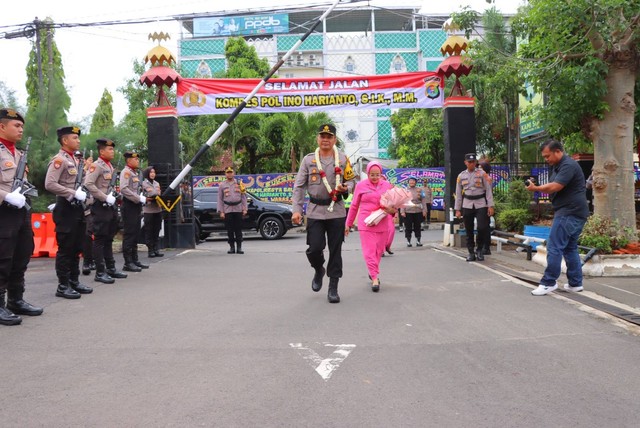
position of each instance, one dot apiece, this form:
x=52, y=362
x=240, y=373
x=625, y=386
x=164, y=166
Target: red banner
x=220, y=96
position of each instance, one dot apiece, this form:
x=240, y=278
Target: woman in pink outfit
x=366, y=199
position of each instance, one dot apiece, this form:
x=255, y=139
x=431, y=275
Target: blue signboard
x=241, y=25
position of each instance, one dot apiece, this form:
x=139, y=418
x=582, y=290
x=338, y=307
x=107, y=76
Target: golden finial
x=156, y=37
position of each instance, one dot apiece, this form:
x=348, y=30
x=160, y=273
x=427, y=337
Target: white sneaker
x=544, y=289
x=571, y=289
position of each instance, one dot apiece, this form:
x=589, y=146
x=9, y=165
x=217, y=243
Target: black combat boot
x=113, y=272
x=232, y=248
x=480, y=255
x=65, y=291
x=136, y=261
x=129, y=266
x=17, y=305
x=79, y=287
x=332, y=296
x=316, y=283
x=102, y=276
x=239, y=250
x=6, y=316
x=471, y=257
x=157, y=252
x=150, y=251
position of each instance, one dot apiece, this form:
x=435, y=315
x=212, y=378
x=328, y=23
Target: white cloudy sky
x=95, y=58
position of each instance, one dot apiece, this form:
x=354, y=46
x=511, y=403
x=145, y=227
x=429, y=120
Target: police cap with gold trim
x=327, y=128
x=66, y=130
x=228, y=169
x=11, y=114
x=131, y=155
x=471, y=157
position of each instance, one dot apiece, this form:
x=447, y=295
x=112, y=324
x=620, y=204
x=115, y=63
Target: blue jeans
x=563, y=242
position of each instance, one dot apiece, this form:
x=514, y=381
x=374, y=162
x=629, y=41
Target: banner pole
x=174, y=184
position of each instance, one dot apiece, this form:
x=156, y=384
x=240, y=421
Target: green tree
x=585, y=55
x=103, y=116
x=8, y=97
x=418, y=138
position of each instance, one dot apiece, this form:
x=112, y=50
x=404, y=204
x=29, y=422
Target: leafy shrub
x=604, y=234
x=513, y=220
x=519, y=197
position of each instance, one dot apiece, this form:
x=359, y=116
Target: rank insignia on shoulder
x=92, y=168
x=57, y=163
x=127, y=175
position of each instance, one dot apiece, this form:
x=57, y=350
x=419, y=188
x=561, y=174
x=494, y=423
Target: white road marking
x=324, y=366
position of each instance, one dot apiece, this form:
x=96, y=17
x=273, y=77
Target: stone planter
x=600, y=265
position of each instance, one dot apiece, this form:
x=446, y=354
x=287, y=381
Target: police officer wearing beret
x=132, y=202
x=16, y=241
x=104, y=215
x=232, y=206
x=474, y=196
x=68, y=214
x=326, y=175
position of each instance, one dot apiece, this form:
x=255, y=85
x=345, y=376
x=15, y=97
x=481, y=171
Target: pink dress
x=373, y=239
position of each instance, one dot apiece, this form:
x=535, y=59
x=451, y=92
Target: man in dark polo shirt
x=566, y=188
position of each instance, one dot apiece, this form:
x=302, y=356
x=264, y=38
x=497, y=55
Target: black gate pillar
x=164, y=155
x=459, y=138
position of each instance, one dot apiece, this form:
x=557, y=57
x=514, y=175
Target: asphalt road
x=204, y=338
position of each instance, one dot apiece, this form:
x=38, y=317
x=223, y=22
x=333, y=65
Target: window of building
x=349, y=65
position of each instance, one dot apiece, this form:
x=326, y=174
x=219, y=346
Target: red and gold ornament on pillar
x=160, y=73
x=456, y=63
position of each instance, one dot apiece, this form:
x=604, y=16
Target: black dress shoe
x=151, y=254
x=129, y=267
x=480, y=256
x=471, y=257
x=316, y=283
x=8, y=318
x=140, y=264
x=376, y=287
x=80, y=288
x=104, y=278
x=21, y=307
x=418, y=244
x=486, y=252
x=66, y=292
x=389, y=251
x=86, y=269
x=409, y=244
x=117, y=274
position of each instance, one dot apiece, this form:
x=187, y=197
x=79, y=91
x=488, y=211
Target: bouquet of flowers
x=396, y=197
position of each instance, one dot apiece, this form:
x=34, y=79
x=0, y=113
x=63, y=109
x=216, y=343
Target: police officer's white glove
x=80, y=195
x=111, y=199
x=51, y=207
x=143, y=199
x=16, y=199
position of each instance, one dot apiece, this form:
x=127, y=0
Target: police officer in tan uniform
x=427, y=195
x=413, y=215
x=16, y=241
x=326, y=175
x=474, y=196
x=152, y=212
x=232, y=206
x=68, y=214
x=104, y=215
x=132, y=202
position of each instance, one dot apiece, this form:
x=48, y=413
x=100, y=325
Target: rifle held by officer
x=80, y=176
x=21, y=183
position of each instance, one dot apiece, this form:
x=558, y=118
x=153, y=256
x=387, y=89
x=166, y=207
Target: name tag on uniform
x=136, y=179
x=107, y=176
x=72, y=171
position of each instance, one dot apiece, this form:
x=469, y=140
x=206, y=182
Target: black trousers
x=131, y=215
x=482, y=217
x=318, y=233
x=87, y=241
x=16, y=248
x=233, y=223
x=105, y=227
x=152, y=226
x=412, y=223
x=70, y=233
x=428, y=212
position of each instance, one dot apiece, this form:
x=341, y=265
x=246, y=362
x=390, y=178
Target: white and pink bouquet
x=396, y=198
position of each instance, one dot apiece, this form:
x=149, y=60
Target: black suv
x=271, y=219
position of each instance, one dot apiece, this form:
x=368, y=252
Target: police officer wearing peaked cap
x=326, y=175
x=68, y=214
x=16, y=241
x=232, y=206
x=132, y=202
x=104, y=215
x=474, y=200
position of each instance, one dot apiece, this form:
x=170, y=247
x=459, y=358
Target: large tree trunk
x=612, y=137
